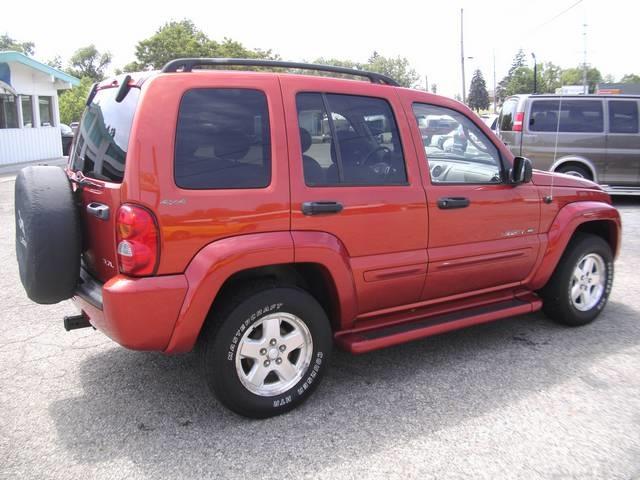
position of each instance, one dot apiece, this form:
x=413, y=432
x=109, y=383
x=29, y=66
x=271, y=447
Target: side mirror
x=522, y=171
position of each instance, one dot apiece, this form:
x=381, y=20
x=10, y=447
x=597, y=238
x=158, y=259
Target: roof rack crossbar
x=188, y=64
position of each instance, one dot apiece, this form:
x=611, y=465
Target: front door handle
x=98, y=210
x=453, y=202
x=315, y=208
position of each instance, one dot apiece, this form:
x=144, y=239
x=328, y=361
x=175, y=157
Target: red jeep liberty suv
x=265, y=216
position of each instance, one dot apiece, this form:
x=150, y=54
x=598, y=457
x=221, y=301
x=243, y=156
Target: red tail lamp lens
x=137, y=240
x=517, y=122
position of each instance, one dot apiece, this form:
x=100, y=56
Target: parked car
x=588, y=136
x=195, y=211
x=67, y=138
x=491, y=121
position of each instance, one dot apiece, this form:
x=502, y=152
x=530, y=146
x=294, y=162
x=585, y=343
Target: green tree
x=89, y=62
x=549, y=77
x=55, y=62
x=478, y=98
x=519, y=61
x=179, y=39
x=8, y=43
x=521, y=81
x=72, y=102
x=397, y=68
x=573, y=76
x=630, y=78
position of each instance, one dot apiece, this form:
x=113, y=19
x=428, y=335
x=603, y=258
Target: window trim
x=504, y=166
x=271, y=139
x=326, y=105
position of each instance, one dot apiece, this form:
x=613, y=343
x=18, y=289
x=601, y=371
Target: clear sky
x=427, y=33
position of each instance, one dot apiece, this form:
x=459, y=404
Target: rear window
x=103, y=135
x=623, y=116
x=576, y=116
x=507, y=115
x=223, y=140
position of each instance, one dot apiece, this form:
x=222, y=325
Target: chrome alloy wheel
x=274, y=354
x=588, y=282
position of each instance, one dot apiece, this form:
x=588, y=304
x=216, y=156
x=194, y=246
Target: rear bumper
x=137, y=313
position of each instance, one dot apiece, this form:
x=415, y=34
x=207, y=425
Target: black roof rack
x=188, y=64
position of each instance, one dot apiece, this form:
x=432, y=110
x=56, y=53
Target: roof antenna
x=549, y=198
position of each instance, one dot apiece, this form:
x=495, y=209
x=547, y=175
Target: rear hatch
x=97, y=166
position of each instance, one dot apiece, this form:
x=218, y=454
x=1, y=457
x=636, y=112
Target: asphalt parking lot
x=520, y=398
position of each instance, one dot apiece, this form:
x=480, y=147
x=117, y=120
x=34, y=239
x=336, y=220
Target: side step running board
x=368, y=340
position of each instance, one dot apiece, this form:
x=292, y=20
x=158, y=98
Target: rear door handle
x=315, y=208
x=453, y=202
x=98, y=210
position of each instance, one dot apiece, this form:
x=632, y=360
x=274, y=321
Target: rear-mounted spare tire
x=48, y=239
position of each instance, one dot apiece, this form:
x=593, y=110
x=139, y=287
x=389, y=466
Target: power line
x=544, y=24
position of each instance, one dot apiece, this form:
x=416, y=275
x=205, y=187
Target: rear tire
x=267, y=350
x=48, y=240
x=579, y=288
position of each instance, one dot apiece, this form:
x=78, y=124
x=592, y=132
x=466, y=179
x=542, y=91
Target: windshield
x=103, y=136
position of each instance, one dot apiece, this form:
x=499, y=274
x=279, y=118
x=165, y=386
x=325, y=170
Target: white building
x=29, y=113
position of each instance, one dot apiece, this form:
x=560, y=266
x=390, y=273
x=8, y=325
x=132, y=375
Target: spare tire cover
x=48, y=239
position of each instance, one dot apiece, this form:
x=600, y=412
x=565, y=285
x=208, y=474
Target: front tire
x=579, y=288
x=575, y=171
x=267, y=351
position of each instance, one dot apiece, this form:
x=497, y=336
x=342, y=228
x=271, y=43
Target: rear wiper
x=124, y=89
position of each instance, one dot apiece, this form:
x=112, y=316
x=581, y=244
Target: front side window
x=623, y=116
x=457, y=150
x=223, y=139
x=567, y=116
x=349, y=140
x=46, y=111
x=8, y=111
x=27, y=111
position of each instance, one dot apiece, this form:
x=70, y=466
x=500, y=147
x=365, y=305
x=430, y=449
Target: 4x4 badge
x=171, y=202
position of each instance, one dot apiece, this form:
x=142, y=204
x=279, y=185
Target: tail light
x=517, y=122
x=137, y=238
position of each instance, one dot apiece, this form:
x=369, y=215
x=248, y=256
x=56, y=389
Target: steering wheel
x=375, y=150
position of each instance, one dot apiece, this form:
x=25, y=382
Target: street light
x=535, y=73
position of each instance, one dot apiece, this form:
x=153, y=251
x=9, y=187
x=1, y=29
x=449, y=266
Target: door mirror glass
x=522, y=170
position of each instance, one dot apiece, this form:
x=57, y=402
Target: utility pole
x=464, y=87
x=495, y=91
x=584, y=61
x=426, y=83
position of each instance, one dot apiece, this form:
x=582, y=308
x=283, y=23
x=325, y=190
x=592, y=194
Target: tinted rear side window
x=576, y=116
x=507, y=115
x=357, y=143
x=223, y=140
x=103, y=135
x=623, y=116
